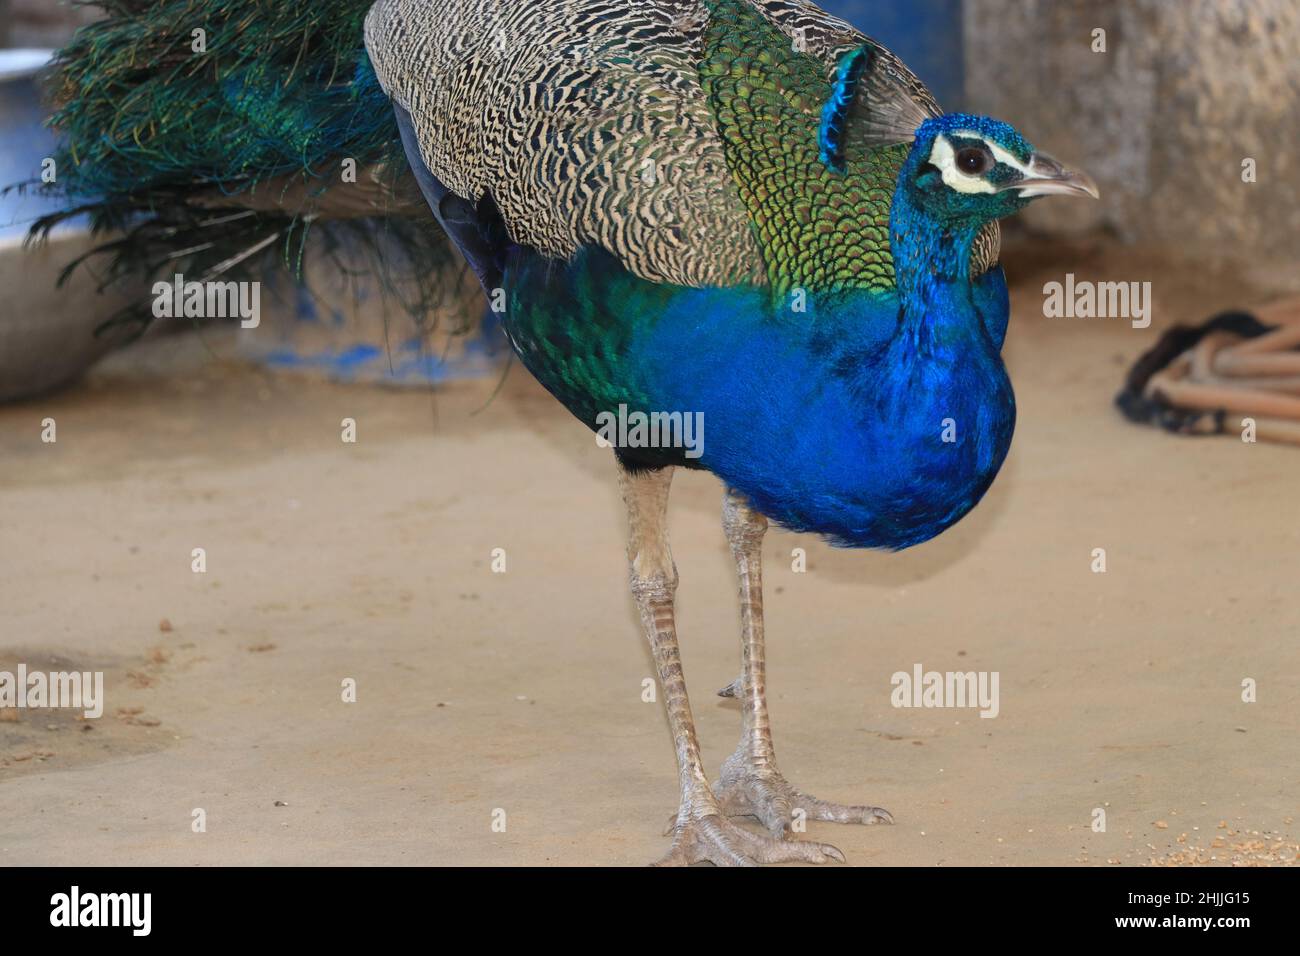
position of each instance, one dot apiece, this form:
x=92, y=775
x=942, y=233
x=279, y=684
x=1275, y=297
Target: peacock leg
x=750, y=783
x=700, y=832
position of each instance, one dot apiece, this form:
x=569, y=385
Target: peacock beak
x=1045, y=176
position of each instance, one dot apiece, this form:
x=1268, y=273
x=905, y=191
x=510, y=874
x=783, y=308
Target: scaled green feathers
x=818, y=229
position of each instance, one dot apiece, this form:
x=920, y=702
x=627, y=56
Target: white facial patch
x=944, y=158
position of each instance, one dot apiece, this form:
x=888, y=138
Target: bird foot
x=746, y=788
x=715, y=839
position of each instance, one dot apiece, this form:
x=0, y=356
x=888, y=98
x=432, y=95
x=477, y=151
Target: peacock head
x=972, y=169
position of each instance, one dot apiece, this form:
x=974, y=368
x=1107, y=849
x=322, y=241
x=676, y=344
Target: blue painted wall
x=926, y=35
x=24, y=142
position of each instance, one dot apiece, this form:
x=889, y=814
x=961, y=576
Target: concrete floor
x=522, y=691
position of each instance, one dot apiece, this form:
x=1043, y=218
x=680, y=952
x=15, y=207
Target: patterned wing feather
x=585, y=121
x=679, y=135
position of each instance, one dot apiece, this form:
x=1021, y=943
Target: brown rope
x=1256, y=378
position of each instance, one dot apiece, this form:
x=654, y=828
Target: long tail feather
x=171, y=113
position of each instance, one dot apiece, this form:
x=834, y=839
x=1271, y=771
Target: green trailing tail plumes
x=213, y=136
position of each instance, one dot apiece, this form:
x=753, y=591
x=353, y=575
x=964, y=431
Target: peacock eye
x=972, y=160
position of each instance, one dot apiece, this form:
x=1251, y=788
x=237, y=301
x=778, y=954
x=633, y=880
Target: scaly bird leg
x=701, y=831
x=750, y=783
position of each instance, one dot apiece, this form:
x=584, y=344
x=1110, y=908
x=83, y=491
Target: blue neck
x=932, y=271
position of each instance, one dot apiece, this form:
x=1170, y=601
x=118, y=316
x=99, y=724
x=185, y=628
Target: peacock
x=741, y=213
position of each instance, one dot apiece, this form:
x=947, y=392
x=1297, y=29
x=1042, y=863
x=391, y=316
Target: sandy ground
x=522, y=691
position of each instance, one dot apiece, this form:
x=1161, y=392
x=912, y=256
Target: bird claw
x=744, y=789
x=714, y=839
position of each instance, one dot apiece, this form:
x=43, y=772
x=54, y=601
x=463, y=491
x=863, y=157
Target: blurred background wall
x=1164, y=118
x=42, y=23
